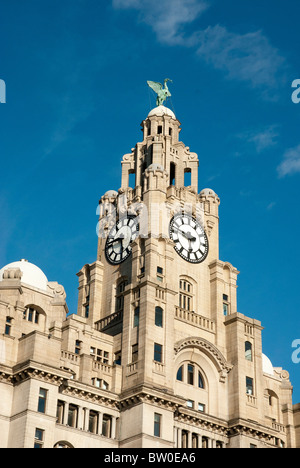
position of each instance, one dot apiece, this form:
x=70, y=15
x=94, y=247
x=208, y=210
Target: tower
x=190, y=361
x=157, y=355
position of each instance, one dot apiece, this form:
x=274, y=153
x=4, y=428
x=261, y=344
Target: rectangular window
x=77, y=346
x=136, y=317
x=160, y=270
x=201, y=407
x=8, y=326
x=72, y=416
x=106, y=425
x=30, y=315
x=118, y=356
x=93, y=422
x=225, y=309
x=249, y=386
x=158, y=317
x=157, y=352
x=42, y=401
x=60, y=412
x=190, y=404
x=135, y=353
x=39, y=438
x=157, y=425
x=190, y=374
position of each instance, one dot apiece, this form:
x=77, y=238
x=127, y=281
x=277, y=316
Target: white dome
x=267, y=365
x=162, y=110
x=208, y=192
x=31, y=274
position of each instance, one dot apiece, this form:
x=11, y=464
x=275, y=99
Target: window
x=248, y=351
x=185, y=295
x=31, y=314
x=99, y=355
x=225, y=305
x=201, y=407
x=60, y=412
x=87, y=306
x=135, y=353
x=157, y=425
x=172, y=173
x=249, y=386
x=120, y=296
x=159, y=129
x=190, y=404
x=8, y=326
x=159, y=275
x=42, y=401
x=157, y=352
x=72, y=416
x=158, y=317
x=180, y=374
x=77, y=346
x=136, y=317
x=106, y=425
x=99, y=383
x=118, y=359
x=190, y=374
x=39, y=438
x=93, y=422
x=200, y=380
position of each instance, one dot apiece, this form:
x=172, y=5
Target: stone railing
x=195, y=319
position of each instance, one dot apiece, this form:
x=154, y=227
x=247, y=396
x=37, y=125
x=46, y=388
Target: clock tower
x=191, y=372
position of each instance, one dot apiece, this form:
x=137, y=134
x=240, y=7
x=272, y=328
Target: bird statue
x=162, y=91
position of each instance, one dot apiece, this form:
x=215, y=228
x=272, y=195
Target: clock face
x=118, y=243
x=190, y=240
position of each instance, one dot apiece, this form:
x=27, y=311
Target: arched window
x=248, y=351
x=200, y=380
x=190, y=374
x=63, y=445
x=179, y=376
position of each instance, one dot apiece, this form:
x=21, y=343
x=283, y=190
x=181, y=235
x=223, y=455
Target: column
x=189, y=440
x=100, y=422
x=113, y=427
x=66, y=413
x=199, y=441
x=179, y=438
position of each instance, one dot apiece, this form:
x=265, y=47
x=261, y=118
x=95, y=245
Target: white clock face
x=118, y=243
x=190, y=240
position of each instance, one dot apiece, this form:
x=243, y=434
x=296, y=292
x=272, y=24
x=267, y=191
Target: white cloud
x=263, y=139
x=291, y=162
x=246, y=57
x=166, y=17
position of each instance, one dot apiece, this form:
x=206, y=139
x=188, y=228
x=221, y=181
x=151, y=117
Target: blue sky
x=76, y=72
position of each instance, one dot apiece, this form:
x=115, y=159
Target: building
x=157, y=355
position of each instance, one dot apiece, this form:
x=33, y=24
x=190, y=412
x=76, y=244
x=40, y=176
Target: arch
x=63, y=444
x=34, y=314
x=210, y=350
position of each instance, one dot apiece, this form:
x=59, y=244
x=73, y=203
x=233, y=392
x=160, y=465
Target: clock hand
x=187, y=235
x=116, y=240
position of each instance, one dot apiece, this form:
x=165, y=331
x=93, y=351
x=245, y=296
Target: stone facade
x=157, y=355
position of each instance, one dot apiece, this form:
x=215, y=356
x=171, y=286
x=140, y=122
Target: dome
x=267, y=365
x=31, y=274
x=162, y=110
x=111, y=194
x=208, y=192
